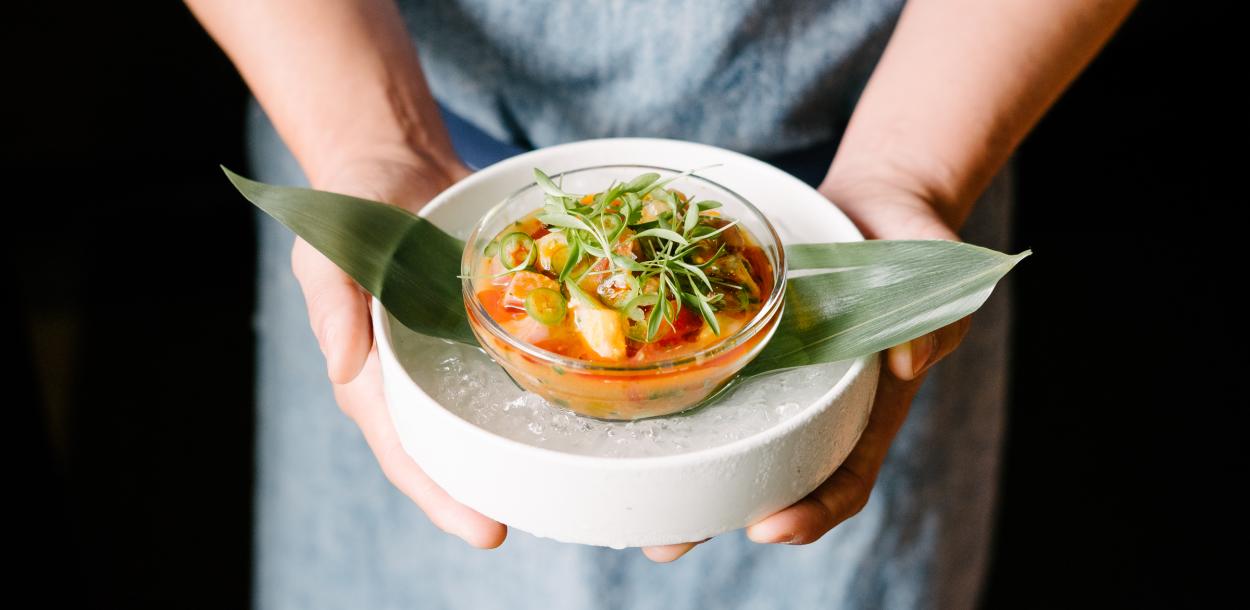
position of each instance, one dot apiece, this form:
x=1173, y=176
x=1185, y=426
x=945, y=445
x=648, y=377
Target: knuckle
x=299, y=262
x=860, y=492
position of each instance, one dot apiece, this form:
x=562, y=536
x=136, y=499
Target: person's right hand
x=338, y=310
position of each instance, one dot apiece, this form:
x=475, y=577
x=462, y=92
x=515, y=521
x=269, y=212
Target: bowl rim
x=770, y=309
x=382, y=321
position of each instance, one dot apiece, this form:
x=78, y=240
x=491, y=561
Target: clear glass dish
x=624, y=391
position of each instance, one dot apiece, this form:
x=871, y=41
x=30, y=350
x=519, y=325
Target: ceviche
x=635, y=274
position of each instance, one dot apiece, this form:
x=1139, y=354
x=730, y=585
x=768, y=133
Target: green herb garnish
x=612, y=228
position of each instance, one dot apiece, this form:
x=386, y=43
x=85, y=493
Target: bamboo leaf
x=405, y=261
x=858, y=298
x=876, y=294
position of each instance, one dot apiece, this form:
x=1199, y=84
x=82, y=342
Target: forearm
x=339, y=79
x=960, y=84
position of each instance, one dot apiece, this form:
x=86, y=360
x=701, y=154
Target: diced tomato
x=542, y=230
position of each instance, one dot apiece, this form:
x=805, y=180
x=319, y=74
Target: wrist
x=390, y=174
x=336, y=159
x=888, y=208
x=392, y=119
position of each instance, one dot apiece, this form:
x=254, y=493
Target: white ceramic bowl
x=630, y=501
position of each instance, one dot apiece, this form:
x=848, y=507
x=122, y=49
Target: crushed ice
x=469, y=384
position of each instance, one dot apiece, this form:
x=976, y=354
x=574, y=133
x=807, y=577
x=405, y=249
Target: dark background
x=130, y=340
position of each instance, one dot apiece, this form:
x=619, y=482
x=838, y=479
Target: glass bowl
x=624, y=391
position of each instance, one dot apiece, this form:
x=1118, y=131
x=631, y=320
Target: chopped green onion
x=546, y=305
x=612, y=225
x=612, y=292
x=510, y=246
x=633, y=309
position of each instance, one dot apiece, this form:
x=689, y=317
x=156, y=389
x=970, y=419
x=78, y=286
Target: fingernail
x=777, y=537
x=920, y=350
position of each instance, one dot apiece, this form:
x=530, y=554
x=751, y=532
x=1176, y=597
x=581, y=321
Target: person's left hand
x=880, y=213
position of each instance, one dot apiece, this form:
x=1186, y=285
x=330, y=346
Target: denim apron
x=773, y=79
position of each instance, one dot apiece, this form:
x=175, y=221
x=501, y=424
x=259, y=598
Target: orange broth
x=686, y=334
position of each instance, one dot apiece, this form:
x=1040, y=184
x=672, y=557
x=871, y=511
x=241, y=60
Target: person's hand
x=338, y=310
x=884, y=212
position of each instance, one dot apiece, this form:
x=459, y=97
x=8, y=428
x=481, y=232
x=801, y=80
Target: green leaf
x=692, y=218
x=872, y=295
x=671, y=179
x=594, y=251
x=695, y=271
x=699, y=302
x=857, y=299
x=714, y=233
x=656, y=314
x=641, y=182
x=633, y=208
x=604, y=198
x=545, y=183
x=566, y=221
x=662, y=234
x=575, y=254
x=405, y=261
x=627, y=263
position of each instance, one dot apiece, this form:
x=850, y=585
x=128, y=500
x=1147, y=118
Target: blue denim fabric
x=331, y=532
x=758, y=76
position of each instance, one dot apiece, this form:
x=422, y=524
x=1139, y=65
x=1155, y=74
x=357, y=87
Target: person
x=924, y=104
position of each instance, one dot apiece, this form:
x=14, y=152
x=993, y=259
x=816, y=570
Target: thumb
x=338, y=311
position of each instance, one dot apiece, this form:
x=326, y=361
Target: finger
x=670, y=552
x=337, y=309
x=909, y=360
x=847, y=490
x=363, y=400
x=839, y=498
